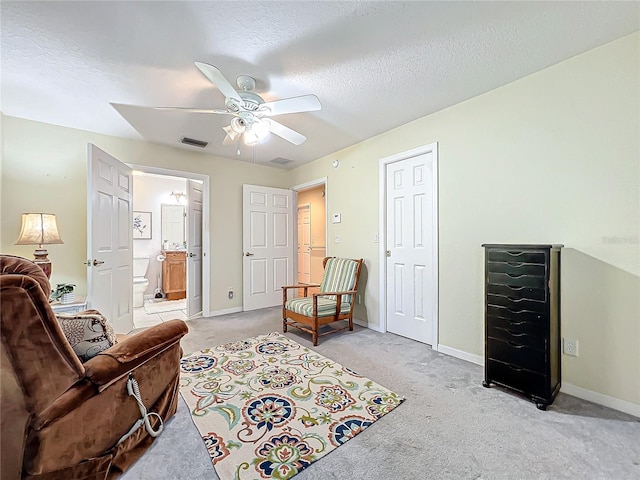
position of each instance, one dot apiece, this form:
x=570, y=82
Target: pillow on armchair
x=88, y=332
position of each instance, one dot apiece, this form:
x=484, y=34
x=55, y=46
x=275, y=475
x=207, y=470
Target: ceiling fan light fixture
x=238, y=125
x=255, y=133
x=230, y=132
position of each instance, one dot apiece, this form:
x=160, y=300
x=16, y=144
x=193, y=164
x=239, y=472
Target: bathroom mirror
x=173, y=231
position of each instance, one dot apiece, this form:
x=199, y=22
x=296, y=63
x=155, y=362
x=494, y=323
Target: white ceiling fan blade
x=196, y=110
x=305, y=103
x=285, y=132
x=216, y=77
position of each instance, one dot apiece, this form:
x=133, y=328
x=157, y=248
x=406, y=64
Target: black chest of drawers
x=522, y=320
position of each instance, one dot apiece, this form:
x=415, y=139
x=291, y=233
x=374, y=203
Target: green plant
x=61, y=289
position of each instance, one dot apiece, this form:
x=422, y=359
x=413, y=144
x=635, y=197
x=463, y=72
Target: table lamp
x=39, y=229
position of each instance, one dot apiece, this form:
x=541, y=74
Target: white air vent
x=281, y=161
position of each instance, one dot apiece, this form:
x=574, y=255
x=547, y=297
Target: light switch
x=336, y=218
x=375, y=237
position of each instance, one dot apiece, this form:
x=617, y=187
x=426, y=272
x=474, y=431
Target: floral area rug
x=267, y=407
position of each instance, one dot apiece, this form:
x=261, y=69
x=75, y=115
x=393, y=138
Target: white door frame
x=306, y=186
x=206, y=247
x=382, y=175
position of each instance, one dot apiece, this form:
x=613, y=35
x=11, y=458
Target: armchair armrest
x=133, y=351
x=110, y=365
x=303, y=285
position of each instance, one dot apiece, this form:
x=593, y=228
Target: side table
x=78, y=305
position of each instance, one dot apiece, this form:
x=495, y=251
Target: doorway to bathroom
x=169, y=238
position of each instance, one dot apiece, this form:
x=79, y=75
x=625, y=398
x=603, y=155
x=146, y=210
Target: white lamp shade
x=38, y=229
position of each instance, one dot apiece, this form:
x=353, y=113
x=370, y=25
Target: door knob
x=97, y=262
x=388, y=253
x=248, y=254
x=192, y=254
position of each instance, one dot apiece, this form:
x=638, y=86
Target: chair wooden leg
x=351, y=324
x=314, y=328
x=284, y=324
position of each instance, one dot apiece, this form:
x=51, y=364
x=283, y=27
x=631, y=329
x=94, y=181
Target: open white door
x=268, y=246
x=195, y=200
x=109, y=239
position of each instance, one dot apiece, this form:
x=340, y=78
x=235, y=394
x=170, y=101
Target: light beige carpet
x=449, y=428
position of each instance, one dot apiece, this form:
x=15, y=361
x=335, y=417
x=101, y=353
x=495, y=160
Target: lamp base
x=42, y=260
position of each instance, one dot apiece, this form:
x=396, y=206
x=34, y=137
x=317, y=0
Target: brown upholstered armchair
x=61, y=418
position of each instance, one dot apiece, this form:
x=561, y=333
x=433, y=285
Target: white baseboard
x=362, y=323
x=601, y=399
x=217, y=313
x=569, y=389
x=469, y=357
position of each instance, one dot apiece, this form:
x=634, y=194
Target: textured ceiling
x=102, y=66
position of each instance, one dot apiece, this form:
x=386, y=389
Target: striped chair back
x=339, y=276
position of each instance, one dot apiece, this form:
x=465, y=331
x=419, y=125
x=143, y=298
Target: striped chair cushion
x=339, y=276
x=326, y=306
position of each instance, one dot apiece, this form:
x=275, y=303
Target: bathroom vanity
x=174, y=274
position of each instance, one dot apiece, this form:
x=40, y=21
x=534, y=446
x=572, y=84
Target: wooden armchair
x=333, y=303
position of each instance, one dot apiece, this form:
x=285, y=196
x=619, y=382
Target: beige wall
x=45, y=169
x=551, y=158
x=554, y=157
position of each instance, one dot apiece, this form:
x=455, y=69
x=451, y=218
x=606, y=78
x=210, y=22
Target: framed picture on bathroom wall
x=141, y=225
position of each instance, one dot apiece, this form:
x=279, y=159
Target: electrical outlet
x=570, y=347
x=230, y=294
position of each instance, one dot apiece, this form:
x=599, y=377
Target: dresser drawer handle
x=516, y=334
x=515, y=311
x=514, y=276
x=516, y=324
x=515, y=368
x=514, y=345
x=515, y=264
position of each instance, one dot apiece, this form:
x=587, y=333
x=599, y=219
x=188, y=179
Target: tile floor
x=142, y=319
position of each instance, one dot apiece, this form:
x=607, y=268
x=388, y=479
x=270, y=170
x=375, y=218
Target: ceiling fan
x=251, y=114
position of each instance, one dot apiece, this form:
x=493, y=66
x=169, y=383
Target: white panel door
x=195, y=199
x=268, y=245
x=409, y=209
x=110, y=239
x=304, y=243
